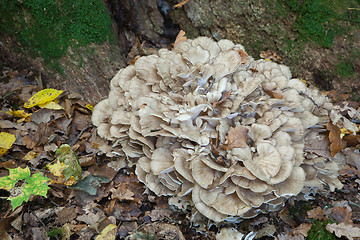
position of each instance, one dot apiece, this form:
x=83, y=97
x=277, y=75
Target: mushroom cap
x=218, y=131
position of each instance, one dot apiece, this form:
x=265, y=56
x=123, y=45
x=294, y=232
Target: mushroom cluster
x=220, y=132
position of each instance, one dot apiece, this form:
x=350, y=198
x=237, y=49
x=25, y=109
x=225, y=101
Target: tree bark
x=144, y=25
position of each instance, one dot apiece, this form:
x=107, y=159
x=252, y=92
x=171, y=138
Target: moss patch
x=318, y=231
x=320, y=20
x=46, y=28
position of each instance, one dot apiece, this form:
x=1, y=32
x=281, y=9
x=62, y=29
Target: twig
x=181, y=4
x=79, y=135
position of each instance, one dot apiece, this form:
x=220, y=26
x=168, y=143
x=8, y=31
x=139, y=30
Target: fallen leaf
x=51, y=105
x=108, y=233
x=90, y=184
x=341, y=215
x=303, y=229
x=270, y=54
x=237, y=137
x=20, y=114
x=317, y=214
x=181, y=4
x=42, y=97
x=274, y=93
x=6, y=141
x=344, y=229
x=180, y=38
x=243, y=55
x=122, y=193
x=30, y=155
x=336, y=144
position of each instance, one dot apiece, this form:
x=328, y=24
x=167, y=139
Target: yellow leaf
x=6, y=141
x=108, y=233
x=51, y=105
x=90, y=107
x=57, y=168
x=30, y=155
x=42, y=97
x=19, y=113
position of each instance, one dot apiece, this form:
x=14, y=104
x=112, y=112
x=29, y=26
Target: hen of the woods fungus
x=222, y=134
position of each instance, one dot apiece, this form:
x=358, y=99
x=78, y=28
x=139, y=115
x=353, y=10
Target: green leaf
x=15, y=175
x=18, y=200
x=37, y=185
x=67, y=156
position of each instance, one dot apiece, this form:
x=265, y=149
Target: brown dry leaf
x=270, y=54
x=341, y=215
x=66, y=215
x=181, y=4
x=8, y=164
x=336, y=144
x=180, y=37
x=352, y=140
x=343, y=229
x=303, y=229
x=317, y=214
x=348, y=172
x=243, y=55
x=224, y=97
x=319, y=147
x=122, y=193
x=237, y=137
x=275, y=93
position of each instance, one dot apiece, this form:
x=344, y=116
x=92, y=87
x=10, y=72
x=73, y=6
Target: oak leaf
x=237, y=138
x=303, y=229
x=344, y=229
x=317, y=214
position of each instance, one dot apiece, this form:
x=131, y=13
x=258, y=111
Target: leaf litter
x=105, y=199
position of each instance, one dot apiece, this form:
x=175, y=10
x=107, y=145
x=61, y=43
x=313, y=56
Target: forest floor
x=109, y=201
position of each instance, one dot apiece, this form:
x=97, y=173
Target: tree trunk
x=144, y=25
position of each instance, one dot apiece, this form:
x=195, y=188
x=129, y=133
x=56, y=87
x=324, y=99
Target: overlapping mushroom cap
x=217, y=130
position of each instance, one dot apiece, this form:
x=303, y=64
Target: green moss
x=344, y=69
x=56, y=232
x=46, y=28
x=318, y=231
x=320, y=20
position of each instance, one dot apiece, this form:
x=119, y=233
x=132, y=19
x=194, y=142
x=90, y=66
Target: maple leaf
x=35, y=185
x=336, y=144
x=344, y=229
x=237, y=137
x=180, y=38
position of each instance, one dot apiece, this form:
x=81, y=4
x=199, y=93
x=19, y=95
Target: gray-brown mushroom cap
x=219, y=132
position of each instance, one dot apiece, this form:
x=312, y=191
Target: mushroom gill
x=207, y=124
